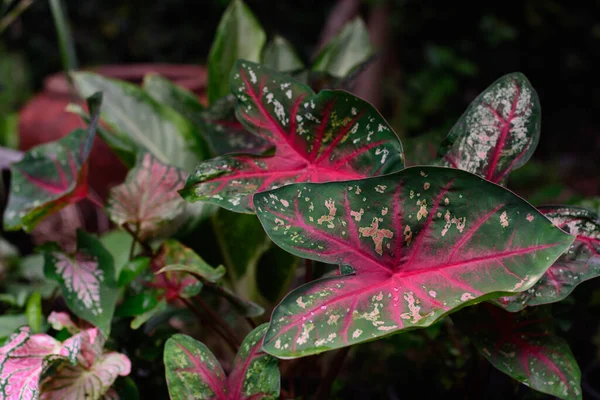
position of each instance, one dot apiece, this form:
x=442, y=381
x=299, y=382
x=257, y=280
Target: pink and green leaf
x=148, y=198
x=255, y=374
x=498, y=132
x=523, y=346
x=183, y=259
x=80, y=382
x=578, y=264
x=86, y=279
x=192, y=371
x=22, y=361
x=421, y=243
x=51, y=176
x=331, y=136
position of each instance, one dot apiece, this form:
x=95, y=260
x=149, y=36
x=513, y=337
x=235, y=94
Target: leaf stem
x=14, y=14
x=230, y=340
x=145, y=245
x=133, y=242
x=334, y=369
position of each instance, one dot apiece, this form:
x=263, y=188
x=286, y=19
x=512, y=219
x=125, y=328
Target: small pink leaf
x=523, y=346
x=578, y=264
x=148, y=199
x=81, y=382
x=421, y=242
x=22, y=361
x=331, y=136
x=51, y=176
x=62, y=320
x=498, y=132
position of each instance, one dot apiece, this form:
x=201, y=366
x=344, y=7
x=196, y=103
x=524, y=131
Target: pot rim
x=191, y=77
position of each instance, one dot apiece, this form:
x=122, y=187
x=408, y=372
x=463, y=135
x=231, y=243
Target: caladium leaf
x=326, y=137
x=421, y=242
x=193, y=372
x=86, y=279
x=281, y=56
x=578, y=264
x=22, y=361
x=148, y=198
x=143, y=123
x=78, y=382
x=239, y=35
x=498, y=132
x=347, y=50
x=523, y=346
x=51, y=176
x=177, y=257
x=62, y=320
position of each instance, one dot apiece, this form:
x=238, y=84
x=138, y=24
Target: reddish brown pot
x=44, y=119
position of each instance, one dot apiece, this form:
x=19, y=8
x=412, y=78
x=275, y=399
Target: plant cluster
x=321, y=175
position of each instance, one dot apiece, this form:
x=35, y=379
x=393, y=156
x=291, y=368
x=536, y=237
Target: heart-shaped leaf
x=87, y=279
x=239, y=35
x=523, y=346
x=347, y=50
x=578, y=264
x=22, y=361
x=51, y=176
x=177, y=257
x=78, y=382
x=193, y=372
x=331, y=136
x=421, y=243
x=148, y=198
x=499, y=131
x=143, y=124
x=281, y=56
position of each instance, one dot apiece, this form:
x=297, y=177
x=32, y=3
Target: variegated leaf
x=148, y=199
x=499, y=131
x=578, y=264
x=177, y=257
x=523, y=346
x=90, y=383
x=331, y=136
x=421, y=243
x=86, y=279
x=51, y=176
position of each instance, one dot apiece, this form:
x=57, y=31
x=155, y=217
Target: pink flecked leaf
x=51, y=176
x=22, y=361
x=81, y=382
x=329, y=136
x=86, y=279
x=62, y=320
x=148, y=199
x=523, y=346
x=579, y=263
x=420, y=243
x=498, y=132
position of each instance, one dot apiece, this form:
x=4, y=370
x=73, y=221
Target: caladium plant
x=524, y=346
x=321, y=137
x=193, y=372
x=414, y=246
x=52, y=176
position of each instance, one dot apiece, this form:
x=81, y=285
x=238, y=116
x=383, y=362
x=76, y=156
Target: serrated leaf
x=193, y=372
x=148, y=198
x=523, y=346
x=498, y=132
x=239, y=35
x=325, y=137
x=51, y=176
x=347, y=50
x=86, y=279
x=280, y=55
x=578, y=264
x=139, y=120
x=78, y=382
x=422, y=242
x=22, y=361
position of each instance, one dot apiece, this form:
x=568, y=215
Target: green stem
x=14, y=14
x=65, y=38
